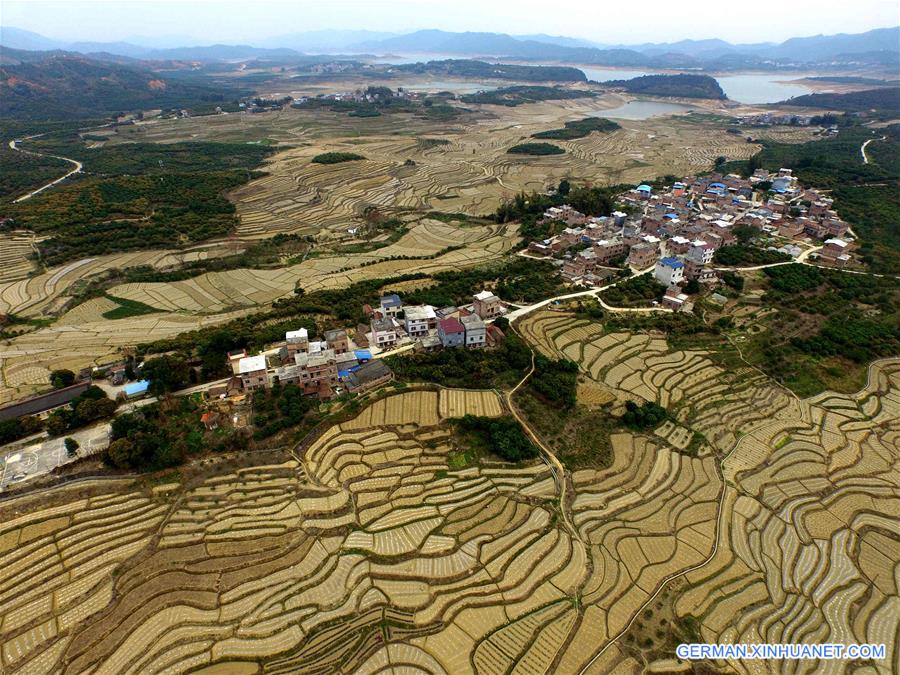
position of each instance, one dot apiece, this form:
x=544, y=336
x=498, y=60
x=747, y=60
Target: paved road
x=862, y=149
x=528, y=309
x=75, y=162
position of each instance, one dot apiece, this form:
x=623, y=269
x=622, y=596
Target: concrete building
x=451, y=332
x=384, y=333
x=669, y=271
x=607, y=249
x=642, y=255
x=337, y=340
x=252, y=371
x=297, y=341
x=475, y=331
x=487, y=305
x=419, y=320
x=317, y=372
x=391, y=305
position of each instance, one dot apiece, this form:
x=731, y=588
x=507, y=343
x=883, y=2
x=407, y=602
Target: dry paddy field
x=82, y=336
x=368, y=553
x=471, y=172
x=216, y=291
x=44, y=294
x=73, y=343
x=809, y=548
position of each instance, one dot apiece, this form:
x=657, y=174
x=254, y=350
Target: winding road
x=862, y=149
x=78, y=167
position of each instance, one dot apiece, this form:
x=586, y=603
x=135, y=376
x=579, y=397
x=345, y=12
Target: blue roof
x=717, y=185
x=643, y=187
x=670, y=215
x=343, y=373
x=362, y=354
x=136, y=387
x=674, y=263
x=392, y=300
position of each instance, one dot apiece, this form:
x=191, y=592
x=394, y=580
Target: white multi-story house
x=669, y=271
x=384, y=333
x=475, y=330
x=419, y=320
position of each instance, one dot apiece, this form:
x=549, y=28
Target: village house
x=606, y=250
x=391, y=305
x=252, y=371
x=297, y=341
x=674, y=299
x=234, y=359
x=369, y=376
x=384, y=333
x=451, y=332
x=475, y=331
x=643, y=255
x=419, y=320
x=337, y=340
x=669, y=271
x=678, y=245
x=317, y=372
x=487, y=305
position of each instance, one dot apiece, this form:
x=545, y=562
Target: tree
x=752, y=164
x=692, y=287
x=121, y=453
x=71, y=447
x=57, y=423
x=166, y=373
x=564, y=187
x=720, y=160
x=62, y=378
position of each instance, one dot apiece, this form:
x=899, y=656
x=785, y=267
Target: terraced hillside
x=83, y=336
x=366, y=551
x=722, y=405
x=808, y=549
x=469, y=172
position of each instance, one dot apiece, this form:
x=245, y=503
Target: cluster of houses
x=688, y=221
x=323, y=368
x=777, y=119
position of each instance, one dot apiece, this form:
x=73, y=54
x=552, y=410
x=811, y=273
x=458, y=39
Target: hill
x=60, y=86
x=680, y=86
x=499, y=71
x=884, y=99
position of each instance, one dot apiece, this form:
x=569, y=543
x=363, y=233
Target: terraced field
x=82, y=336
x=722, y=405
x=471, y=172
x=217, y=291
x=368, y=552
x=44, y=293
x=809, y=547
x=16, y=249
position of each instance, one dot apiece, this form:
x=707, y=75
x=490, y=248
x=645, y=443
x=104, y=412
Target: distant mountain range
x=880, y=46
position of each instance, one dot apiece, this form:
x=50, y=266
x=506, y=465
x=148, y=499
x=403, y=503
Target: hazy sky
x=606, y=21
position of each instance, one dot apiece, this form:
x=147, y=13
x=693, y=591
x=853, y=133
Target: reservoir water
x=752, y=88
x=641, y=110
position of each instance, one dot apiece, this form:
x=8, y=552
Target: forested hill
x=680, y=86
x=498, y=71
x=67, y=86
x=886, y=99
